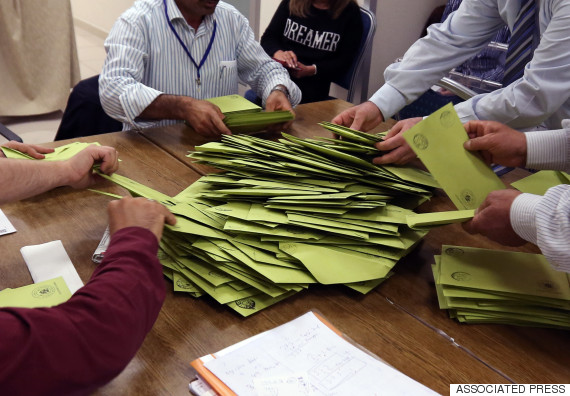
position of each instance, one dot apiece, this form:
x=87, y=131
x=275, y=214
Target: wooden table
x=399, y=321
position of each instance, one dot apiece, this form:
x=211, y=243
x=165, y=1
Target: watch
x=281, y=88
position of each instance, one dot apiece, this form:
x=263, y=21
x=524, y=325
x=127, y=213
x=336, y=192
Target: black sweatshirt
x=330, y=44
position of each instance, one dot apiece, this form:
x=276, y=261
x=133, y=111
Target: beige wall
x=100, y=15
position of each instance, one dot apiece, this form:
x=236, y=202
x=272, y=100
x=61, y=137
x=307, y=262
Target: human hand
x=492, y=218
x=400, y=151
x=363, y=117
x=205, y=118
x=77, y=171
x=32, y=150
x=277, y=100
x=303, y=71
x=497, y=143
x=139, y=212
x=289, y=58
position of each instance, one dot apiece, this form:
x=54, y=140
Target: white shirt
x=145, y=60
x=545, y=220
x=542, y=95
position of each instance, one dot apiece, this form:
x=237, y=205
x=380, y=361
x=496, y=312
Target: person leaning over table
x=82, y=344
x=511, y=217
x=540, y=94
x=165, y=56
x=317, y=39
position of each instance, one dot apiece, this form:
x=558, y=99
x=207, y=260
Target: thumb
x=476, y=144
x=356, y=124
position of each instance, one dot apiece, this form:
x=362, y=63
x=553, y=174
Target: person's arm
x=204, y=117
x=426, y=62
x=463, y=34
x=542, y=90
x=20, y=179
x=122, y=94
x=548, y=149
x=80, y=345
x=509, y=217
x=500, y=144
x=545, y=221
x=257, y=69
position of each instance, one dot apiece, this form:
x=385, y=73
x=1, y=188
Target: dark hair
x=301, y=8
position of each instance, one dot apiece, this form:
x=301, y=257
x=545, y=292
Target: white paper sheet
x=308, y=350
x=50, y=260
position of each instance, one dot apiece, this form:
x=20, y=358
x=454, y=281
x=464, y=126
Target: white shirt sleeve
x=542, y=90
x=548, y=150
x=527, y=102
x=462, y=35
x=545, y=221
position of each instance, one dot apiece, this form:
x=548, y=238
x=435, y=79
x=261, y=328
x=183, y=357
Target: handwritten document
x=307, y=357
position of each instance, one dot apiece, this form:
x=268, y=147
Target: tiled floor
x=42, y=128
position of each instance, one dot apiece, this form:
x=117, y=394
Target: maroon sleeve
x=82, y=344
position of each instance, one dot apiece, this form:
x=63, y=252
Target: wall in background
x=398, y=27
x=98, y=16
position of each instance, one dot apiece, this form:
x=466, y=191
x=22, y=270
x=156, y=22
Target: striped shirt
x=145, y=60
x=545, y=220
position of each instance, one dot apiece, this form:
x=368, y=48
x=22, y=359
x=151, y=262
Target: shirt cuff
x=547, y=149
x=294, y=91
x=523, y=215
x=389, y=100
x=465, y=111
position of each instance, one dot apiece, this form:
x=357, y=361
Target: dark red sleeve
x=82, y=344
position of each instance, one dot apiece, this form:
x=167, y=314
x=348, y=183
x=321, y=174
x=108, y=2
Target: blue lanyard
x=198, y=67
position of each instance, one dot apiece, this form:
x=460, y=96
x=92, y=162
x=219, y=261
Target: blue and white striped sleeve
x=545, y=221
x=122, y=95
x=548, y=149
x=258, y=70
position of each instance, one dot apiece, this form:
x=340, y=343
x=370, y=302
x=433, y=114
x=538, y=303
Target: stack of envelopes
x=285, y=215
x=491, y=286
x=243, y=116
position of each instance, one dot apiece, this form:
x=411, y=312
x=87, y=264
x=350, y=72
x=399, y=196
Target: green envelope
x=38, y=295
x=503, y=271
x=539, y=182
x=438, y=142
x=419, y=220
x=330, y=266
x=229, y=104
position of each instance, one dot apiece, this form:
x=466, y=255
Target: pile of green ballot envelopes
x=243, y=116
x=492, y=286
x=287, y=214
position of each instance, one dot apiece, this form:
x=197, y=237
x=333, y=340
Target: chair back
x=8, y=134
x=348, y=80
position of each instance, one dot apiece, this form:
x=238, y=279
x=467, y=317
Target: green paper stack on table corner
x=492, y=286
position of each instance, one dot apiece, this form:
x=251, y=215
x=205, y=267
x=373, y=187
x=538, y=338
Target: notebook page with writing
x=306, y=356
